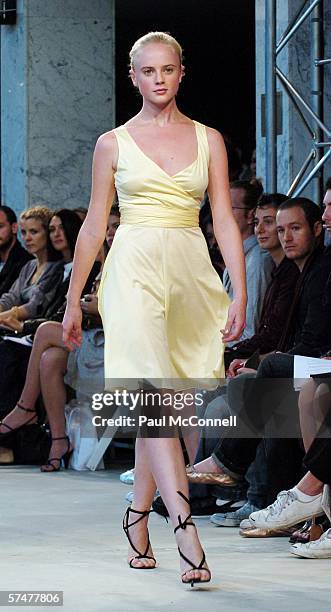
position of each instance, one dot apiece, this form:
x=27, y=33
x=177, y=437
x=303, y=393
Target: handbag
x=31, y=445
x=81, y=433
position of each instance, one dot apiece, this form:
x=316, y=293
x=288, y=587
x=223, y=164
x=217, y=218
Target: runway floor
x=62, y=532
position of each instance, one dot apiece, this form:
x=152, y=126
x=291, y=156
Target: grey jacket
x=31, y=296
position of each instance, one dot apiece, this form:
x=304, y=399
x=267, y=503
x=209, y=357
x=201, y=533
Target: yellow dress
x=161, y=301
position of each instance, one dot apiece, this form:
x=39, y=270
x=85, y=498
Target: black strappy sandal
x=126, y=527
x=183, y=525
x=11, y=430
x=65, y=458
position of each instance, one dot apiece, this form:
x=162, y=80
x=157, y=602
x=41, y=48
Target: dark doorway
x=218, y=38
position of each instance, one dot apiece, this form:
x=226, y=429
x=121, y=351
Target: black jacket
x=276, y=304
x=310, y=320
x=17, y=258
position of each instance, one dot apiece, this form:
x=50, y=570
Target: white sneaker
x=127, y=477
x=317, y=549
x=287, y=510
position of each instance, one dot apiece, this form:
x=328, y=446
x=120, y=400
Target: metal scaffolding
x=311, y=113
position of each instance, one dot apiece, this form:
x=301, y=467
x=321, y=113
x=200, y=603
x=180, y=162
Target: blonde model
x=165, y=312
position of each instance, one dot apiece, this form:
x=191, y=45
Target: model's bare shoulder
x=214, y=136
x=216, y=143
x=107, y=140
x=107, y=146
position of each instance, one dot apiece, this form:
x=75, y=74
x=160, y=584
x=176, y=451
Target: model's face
x=242, y=215
x=157, y=72
x=34, y=236
x=327, y=210
x=57, y=235
x=295, y=234
x=265, y=228
x=112, y=225
x=7, y=232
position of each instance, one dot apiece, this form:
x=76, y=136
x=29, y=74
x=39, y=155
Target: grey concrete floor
x=62, y=532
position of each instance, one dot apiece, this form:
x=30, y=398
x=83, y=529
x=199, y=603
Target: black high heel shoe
x=12, y=430
x=65, y=458
x=126, y=527
x=183, y=525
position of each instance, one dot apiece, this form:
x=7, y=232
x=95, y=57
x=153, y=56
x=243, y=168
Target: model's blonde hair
x=155, y=37
x=42, y=213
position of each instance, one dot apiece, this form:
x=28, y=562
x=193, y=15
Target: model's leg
x=167, y=465
x=48, y=334
x=143, y=494
x=53, y=366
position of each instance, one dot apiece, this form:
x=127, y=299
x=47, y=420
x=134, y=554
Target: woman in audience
x=16, y=343
x=46, y=369
x=26, y=295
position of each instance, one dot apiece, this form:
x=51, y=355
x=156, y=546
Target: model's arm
x=227, y=233
x=92, y=233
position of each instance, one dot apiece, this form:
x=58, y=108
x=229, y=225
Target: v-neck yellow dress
x=161, y=301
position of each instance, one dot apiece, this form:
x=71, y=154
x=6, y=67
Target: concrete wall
x=57, y=96
x=294, y=143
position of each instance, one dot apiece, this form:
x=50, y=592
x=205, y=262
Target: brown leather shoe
x=262, y=532
x=211, y=478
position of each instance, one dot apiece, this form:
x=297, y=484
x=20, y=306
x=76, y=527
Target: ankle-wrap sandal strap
x=183, y=524
x=126, y=527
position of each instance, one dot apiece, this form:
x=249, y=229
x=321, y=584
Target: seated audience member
x=25, y=297
x=305, y=500
x=258, y=263
x=280, y=291
x=47, y=366
x=12, y=255
x=299, y=227
x=296, y=505
x=17, y=336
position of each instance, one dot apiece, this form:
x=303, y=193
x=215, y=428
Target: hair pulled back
x=155, y=37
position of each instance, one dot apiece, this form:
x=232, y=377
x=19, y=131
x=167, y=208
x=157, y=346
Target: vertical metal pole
x=317, y=53
x=270, y=96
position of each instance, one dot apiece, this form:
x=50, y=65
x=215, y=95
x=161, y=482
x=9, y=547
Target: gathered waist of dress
x=160, y=216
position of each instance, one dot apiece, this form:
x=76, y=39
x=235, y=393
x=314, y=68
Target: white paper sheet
x=305, y=366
